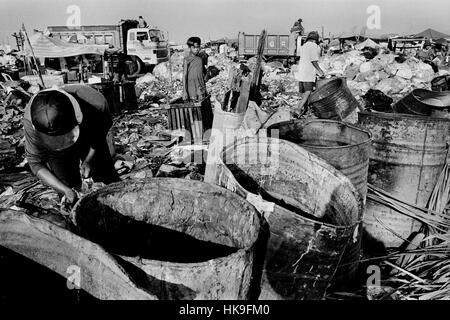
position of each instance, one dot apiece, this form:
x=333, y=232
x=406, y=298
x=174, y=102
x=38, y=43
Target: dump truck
x=278, y=47
x=143, y=47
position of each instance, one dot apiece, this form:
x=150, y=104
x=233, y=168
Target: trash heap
x=164, y=84
x=394, y=75
x=278, y=87
x=11, y=132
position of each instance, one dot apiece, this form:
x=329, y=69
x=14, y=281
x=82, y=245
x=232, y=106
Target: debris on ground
x=144, y=147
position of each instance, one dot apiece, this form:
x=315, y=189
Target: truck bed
x=281, y=45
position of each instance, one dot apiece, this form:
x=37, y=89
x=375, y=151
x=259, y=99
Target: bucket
x=198, y=239
x=224, y=126
x=408, y=155
x=312, y=211
x=333, y=100
x=54, y=255
x=345, y=147
x=421, y=102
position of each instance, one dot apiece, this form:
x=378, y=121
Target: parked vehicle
x=143, y=47
x=278, y=47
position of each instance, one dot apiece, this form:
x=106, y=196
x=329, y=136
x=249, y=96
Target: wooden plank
x=196, y=126
x=244, y=96
x=171, y=118
x=182, y=121
x=177, y=113
x=188, y=123
x=191, y=119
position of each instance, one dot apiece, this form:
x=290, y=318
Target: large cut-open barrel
x=333, y=100
x=422, y=102
x=198, y=237
x=311, y=208
x=53, y=257
x=408, y=155
x=345, y=147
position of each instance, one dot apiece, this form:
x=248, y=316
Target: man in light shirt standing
x=308, y=66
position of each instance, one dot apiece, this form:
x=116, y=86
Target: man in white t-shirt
x=308, y=66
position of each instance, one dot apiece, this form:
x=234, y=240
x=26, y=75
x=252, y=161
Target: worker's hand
x=86, y=169
x=70, y=196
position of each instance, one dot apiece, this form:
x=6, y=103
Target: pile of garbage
x=393, y=75
x=278, y=88
x=11, y=130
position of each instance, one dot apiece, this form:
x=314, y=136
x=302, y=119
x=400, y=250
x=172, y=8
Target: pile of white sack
x=381, y=73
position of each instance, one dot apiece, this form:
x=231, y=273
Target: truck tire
x=135, y=66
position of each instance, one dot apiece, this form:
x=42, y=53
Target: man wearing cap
x=65, y=128
x=308, y=66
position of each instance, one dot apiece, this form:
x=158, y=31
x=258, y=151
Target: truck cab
x=146, y=47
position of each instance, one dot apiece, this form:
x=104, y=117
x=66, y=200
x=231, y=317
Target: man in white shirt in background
x=308, y=65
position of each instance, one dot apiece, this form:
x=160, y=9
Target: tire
x=135, y=66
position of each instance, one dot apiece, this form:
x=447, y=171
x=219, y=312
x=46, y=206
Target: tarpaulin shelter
x=367, y=43
x=49, y=47
x=432, y=34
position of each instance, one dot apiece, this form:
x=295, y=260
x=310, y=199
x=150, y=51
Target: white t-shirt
x=308, y=52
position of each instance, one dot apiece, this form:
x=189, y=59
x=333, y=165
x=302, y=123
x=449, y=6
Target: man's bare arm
x=318, y=68
x=48, y=178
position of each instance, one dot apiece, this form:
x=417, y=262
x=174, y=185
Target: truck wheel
x=134, y=66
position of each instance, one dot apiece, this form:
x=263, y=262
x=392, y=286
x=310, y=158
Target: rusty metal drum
x=312, y=211
x=345, y=147
x=192, y=239
x=333, y=100
x=408, y=155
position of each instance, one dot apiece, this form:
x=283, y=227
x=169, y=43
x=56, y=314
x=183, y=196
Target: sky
x=213, y=19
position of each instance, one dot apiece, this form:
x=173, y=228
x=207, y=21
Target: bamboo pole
x=32, y=52
x=170, y=63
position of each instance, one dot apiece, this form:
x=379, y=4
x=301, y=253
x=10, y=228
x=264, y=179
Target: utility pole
x=32, y=52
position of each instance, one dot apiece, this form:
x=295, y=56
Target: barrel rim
x=337, y=173
x=337, y=80
x=400, y=116
x=369, y=139
x=245, y=250
x=438, y=94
